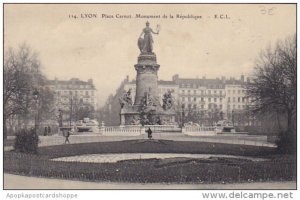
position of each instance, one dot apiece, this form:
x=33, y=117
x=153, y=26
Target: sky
x=105, y=48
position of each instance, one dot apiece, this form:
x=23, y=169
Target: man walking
x=149, y=131
x=67, y=135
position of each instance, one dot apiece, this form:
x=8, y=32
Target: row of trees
x=22, y=76
x=274, y=90
x=74, y=109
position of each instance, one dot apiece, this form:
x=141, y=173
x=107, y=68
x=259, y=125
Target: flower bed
x=222, y=170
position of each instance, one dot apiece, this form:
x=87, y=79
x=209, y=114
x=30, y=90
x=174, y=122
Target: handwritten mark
x=267, y=10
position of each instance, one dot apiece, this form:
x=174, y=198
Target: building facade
x=220, y=96
x=73, y=95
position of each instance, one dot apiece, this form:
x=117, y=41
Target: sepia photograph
x=150, y=97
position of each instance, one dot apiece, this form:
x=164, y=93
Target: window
x=233, y=99
x=239, y=99
x=228, y=91
x=86, y=92
x=189, y=98
x=189, y=106
x=221, y=99
x=209, y=106
x=182, y=91
x=195, y=91
x=220, y=92
x=220, y=106
x=202, y=106
x=202, y=99
x=182, y=98
x=209, y=99
x=239, y=91
x=228, y=99
x=189, y=91
x=208, y=92
x=215, y=91
x=194, y=106
x=195, y=99
x=233, y=91
x=215, y=99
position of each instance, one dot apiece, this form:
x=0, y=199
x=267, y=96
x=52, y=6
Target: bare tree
x=21, y=77
x=274, y=86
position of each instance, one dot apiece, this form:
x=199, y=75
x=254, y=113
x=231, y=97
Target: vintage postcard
x=150, y=96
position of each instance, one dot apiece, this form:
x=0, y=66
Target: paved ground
x=94, y=137
x=23, y=182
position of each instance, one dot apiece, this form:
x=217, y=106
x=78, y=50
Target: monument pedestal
x=146, y=108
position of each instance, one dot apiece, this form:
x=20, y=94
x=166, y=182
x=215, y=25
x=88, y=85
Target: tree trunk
x=289, y=121
x=4, y=127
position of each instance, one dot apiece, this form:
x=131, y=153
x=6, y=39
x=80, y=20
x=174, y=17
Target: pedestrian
x=149, y=131
x=67, y=135
x=49, y=130
x=45, y=131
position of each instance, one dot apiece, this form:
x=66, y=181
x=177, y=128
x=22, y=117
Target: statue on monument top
x=145, y=44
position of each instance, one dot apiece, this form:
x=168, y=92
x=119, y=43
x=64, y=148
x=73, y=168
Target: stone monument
x=146, y=109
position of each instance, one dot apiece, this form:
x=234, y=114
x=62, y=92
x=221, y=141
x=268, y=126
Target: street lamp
x=35, y=95
x=232, y=117
x=60, y=117
x=182, y=117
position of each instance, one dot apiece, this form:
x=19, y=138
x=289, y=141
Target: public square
x=175, y=97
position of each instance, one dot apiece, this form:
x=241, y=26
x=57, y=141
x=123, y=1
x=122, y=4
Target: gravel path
x=112, y=158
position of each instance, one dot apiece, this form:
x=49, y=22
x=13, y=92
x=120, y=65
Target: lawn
x=180, y=170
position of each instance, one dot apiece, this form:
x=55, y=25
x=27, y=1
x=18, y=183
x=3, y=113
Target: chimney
x=90, y=81
x=242, y=78
x=175, y=77
x=223, y=79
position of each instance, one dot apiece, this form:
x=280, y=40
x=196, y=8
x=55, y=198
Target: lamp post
x=182, y=117
x=232, y=117
x=35, y=95
x=60, y=118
